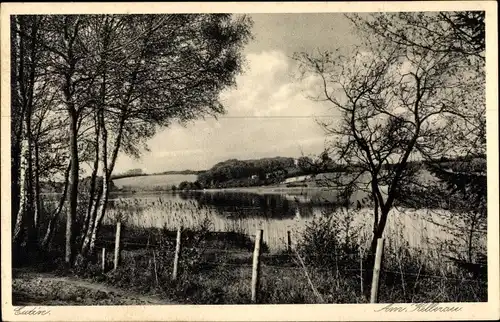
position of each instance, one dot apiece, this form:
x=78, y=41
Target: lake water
x=276, y=213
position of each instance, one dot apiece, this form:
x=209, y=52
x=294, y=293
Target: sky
x=269, y=112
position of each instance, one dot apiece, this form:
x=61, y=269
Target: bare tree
x=461, y=182
x=461, y=33
x=396, y=105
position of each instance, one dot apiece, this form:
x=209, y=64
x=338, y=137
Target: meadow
x=153, y=182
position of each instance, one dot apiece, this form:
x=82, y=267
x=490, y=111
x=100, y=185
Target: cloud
x=268, y=114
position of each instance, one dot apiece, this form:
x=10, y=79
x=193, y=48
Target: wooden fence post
x=376, y=270
x=256, y=265
x=177, y=253
x=117, y=244
x=361, y=270
x=103, y=264
x=156, y=271
x=289, y=241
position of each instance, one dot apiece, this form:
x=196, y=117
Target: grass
x=210, y=274
x=153, y=182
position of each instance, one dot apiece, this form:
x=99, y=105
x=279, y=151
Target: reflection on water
x=276, y=214
x=240, y=212
x=244, y=205
x=240, y=205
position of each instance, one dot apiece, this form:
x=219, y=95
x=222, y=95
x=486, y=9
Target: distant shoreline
x=259, y=190
x=266, y=189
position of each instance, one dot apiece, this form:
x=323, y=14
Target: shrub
x=196, y=240
x=329, y=240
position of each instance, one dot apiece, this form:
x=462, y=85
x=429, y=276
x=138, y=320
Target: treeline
x=129, y=173
x=85, y=88
x=181, y=172
x=239, y=173
x=267, y=171
x=139, y=173
x=258, y=172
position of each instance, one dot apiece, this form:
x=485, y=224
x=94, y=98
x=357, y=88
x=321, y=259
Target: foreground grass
x=228, y=282
x=216, y=268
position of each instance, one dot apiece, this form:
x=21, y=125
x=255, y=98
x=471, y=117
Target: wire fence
x=185, y=253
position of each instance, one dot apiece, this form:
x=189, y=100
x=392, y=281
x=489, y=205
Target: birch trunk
x=73, y=187
x=17, y=112
x=93, y=196
x=55, y=215
x=103, y=196
x=30, y=89
x=102, y=152
x=36, y=189
x=18, y=234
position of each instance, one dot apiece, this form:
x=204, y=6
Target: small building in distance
x=298, y=179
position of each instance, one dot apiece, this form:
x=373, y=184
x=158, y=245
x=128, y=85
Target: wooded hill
x=266, y=171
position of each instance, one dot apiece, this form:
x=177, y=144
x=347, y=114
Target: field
x=152, y=182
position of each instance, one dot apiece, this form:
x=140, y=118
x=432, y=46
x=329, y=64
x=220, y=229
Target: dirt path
x=32, y=288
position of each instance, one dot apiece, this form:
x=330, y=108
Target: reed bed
x=413, y=230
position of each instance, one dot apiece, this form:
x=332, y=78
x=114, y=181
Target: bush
x=329, y=240
x=196, y=240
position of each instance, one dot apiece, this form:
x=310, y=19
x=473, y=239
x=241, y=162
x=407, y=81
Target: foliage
x=330, y=240
x=186, y=185
x=94, y=86
x=246, y=172
x=461, y=188
x=196, y=242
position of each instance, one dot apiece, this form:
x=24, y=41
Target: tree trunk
x=73, y=186
x=20, y=196
x=18, y=234
x=29, y=220
x=379, y=230
x=107, y=171
x=92, y=217
x=36, y=189
x=16, y=122
x=25, y=211
x=33, y=44
x=55, y=215
x=103, y=146
x=16, y=153
x=93, y=195
x=103, y=197
x=101, y=210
